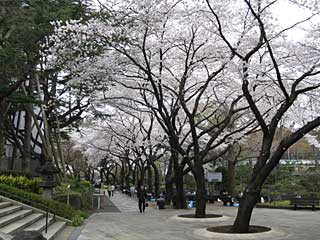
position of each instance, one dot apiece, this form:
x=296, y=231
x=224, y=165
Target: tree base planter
x=227, y=229
x=223, y=232
x=190, y=217
x=194, y=216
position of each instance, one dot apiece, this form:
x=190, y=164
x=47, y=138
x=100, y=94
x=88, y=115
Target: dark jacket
x=142, y=194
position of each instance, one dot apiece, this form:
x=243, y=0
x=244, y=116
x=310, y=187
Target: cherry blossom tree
x=162, y=56
x=275, y=71
x=130, y=137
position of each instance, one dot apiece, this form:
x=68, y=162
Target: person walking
x=142, y=194
x=132, y=190
x=109, y=190
x=112, y=189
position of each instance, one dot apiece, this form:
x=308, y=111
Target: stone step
x=5, y=220
x=8, y=210
x=40, y=225
x=54, y=229
x=20, y=224
x=5, y=204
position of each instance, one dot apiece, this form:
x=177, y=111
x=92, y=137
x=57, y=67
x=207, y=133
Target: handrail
x=33, y=204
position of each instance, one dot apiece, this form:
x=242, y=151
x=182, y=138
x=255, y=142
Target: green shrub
x=16, y=173
x=77, y=220
x=76, y=189
x=56, y=207
x=80, y=185
x=21, y=182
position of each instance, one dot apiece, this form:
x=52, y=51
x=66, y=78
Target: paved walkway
x=161, y=225
x=107, y=206
x=124, y=203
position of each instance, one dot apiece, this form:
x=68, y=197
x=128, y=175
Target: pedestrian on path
x=109, y=190
x=112, y=189
x=132, y=189
x=142, y=194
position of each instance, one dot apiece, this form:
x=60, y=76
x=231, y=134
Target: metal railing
x=31, y=203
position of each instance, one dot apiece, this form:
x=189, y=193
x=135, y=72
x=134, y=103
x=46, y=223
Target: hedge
x=16, y=173
x=60, y=209
x=21, y=182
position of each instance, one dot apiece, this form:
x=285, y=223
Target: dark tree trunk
x=201, y=190
x=116, y=174
x=141, y=178
x=106, y=177
x=128, y=177
x=169, y=191
x=27, y=141
x=87, y=176
x=4, y=107
x=114, y=179
x=92, y=175
x=180, y=196
x=150, y=185
x=129, y=173
x=134, y=176
x=2, y=130
x=169, y=183
x=101, y=175
x=231, y=177
x=14, y=155
x=156, y=180
x=178, y=177
x=247, y=203
x=122, y=175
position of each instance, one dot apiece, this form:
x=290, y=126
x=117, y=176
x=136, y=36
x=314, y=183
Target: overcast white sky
x=287, y=13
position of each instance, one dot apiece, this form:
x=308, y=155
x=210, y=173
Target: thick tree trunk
x=101, y=175
x=201, y=190
x=116, y=174
x=92, y=175
x=4, y=107
x=169, y=182
x=178, y=179
x=114, y=179
x=247, y=203
x=87, y=175
x=27, y=141
x=59, y=148
x=150, y=185
x=128, y=178
x=156, y=180
x=141, y=178
x=122, y=175
x=231, y=177
x=134, y=176
x=2, y=130
x=169, y=190
x=180, y=197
